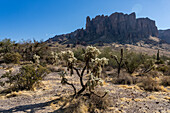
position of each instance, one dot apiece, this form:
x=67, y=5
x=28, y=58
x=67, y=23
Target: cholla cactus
x=97, y=64
x=36, y=58
x=91, y=53
x=54, y=57
x=94, y=81
x=68, y=56
x=95, y=68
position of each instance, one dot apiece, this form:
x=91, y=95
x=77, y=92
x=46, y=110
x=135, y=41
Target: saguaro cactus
x=158, y=57
x=119, y=62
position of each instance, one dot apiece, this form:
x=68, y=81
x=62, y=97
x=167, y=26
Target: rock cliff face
x=117, y=27
x=165, y=35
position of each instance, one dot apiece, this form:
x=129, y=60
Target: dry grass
x=19, y=93
x=130, y=87
x=139, y=99
x=167, y=98
x=149, y=84
x=126, y=99
x=162, y=88
x=152, y=97
x=2, y=97
x=85, y=104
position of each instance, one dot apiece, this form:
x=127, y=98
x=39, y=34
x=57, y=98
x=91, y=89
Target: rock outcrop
x=118, y=27
x=165, y=35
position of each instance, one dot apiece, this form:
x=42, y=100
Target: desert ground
x=50, y=97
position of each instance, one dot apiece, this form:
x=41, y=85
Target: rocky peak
x=118, y=27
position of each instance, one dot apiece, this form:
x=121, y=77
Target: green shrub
x=6, y=45
x=133, y=61
x=107, y=52
x=12, y=58
x=147, y=66
x=163, y=68
x=27, y=77
x=78, y=53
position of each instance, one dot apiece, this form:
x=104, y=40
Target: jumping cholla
x=93, y=66
x=36, y=58
x=68, y=56
x=54, y=57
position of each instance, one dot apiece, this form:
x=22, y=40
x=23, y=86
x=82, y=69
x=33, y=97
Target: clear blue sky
x=42, y=19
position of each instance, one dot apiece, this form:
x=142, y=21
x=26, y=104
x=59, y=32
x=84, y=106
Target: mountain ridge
x=118, y=27
x=165, y=35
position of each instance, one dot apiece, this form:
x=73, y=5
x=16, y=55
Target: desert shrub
x=164, y=58
x=96, y=102
x=125, y=79
x=89, y=105
x=6, y=46
x=27, y=77
x=149, y=84
x=147, y=65
x=28, y=49
x=165, y=81
x=107, y=52
x=133, y=61
x=78, y=53
x=163, y=68
x=12, y=58
x=160, y=62
x=153, y=74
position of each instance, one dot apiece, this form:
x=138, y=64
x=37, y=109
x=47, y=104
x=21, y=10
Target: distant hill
x=165, y=35
x=118, y=27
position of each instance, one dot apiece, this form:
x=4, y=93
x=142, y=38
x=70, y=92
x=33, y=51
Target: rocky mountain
x=165, y=35
x=118, y=27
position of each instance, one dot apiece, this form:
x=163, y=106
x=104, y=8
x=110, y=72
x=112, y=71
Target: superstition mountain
x=165, y=35
x=118, y=27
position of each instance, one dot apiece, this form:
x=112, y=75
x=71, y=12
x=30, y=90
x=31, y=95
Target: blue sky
x=42, y=19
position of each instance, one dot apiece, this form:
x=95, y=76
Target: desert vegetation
x=90, y=74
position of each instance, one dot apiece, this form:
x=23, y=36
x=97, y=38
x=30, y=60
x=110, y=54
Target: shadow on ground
x=32, y=108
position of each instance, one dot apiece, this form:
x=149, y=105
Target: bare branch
x=77, y=71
